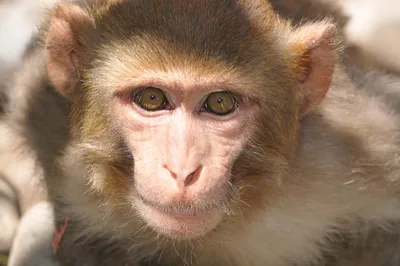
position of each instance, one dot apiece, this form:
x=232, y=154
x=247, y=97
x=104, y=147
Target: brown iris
x=220, y=103
x=151, y=99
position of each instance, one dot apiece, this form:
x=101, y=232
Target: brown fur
x=318, y=189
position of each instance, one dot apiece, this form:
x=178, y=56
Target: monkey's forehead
x=201, y=37
x=223, y=30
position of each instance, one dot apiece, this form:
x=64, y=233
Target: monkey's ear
x=314, y=46
x=64, y=43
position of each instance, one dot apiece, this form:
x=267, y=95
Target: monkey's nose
x=185, y=178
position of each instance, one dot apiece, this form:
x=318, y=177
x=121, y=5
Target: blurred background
x=370, y=27
x=19, y=21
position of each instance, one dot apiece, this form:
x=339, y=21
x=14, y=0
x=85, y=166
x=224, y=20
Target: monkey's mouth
x=180, y=221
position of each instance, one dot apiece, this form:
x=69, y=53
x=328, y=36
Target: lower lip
x=179, y=225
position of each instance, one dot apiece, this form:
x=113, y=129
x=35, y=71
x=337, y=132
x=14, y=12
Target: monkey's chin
x=179, y=225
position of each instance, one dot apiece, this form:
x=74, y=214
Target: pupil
x=153, y=97
x=220, y=100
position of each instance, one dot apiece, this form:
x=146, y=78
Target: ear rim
x=64, y=40
x=314, y=72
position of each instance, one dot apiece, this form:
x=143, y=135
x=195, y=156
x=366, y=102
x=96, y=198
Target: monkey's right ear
x=64, y=46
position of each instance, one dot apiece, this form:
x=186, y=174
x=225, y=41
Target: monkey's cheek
x=180, y=226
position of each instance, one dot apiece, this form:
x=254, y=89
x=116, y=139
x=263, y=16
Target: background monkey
x=204, y=132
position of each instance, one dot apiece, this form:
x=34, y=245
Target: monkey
x=204, y=132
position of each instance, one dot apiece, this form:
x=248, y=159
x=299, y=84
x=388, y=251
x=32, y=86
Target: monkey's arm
x=32, y=243
x=9, y=214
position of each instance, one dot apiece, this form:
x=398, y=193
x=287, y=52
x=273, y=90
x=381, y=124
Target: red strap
x=59, y=234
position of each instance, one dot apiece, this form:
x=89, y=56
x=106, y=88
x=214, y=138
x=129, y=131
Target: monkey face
x=196, y=132
x=185, y=136
x=196, y=135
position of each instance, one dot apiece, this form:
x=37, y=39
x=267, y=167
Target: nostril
x=192, y=178
x=189, y=179
x=172, y=173
x=182, y=179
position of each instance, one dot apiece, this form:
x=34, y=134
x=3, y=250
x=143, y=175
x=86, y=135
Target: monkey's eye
x=151, y=99
x=220, y=103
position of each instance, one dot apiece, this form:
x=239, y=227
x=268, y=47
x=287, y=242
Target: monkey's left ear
x=64, y=43
x=314, y=47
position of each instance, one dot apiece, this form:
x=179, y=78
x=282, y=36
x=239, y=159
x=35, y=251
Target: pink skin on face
x=183, y=155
